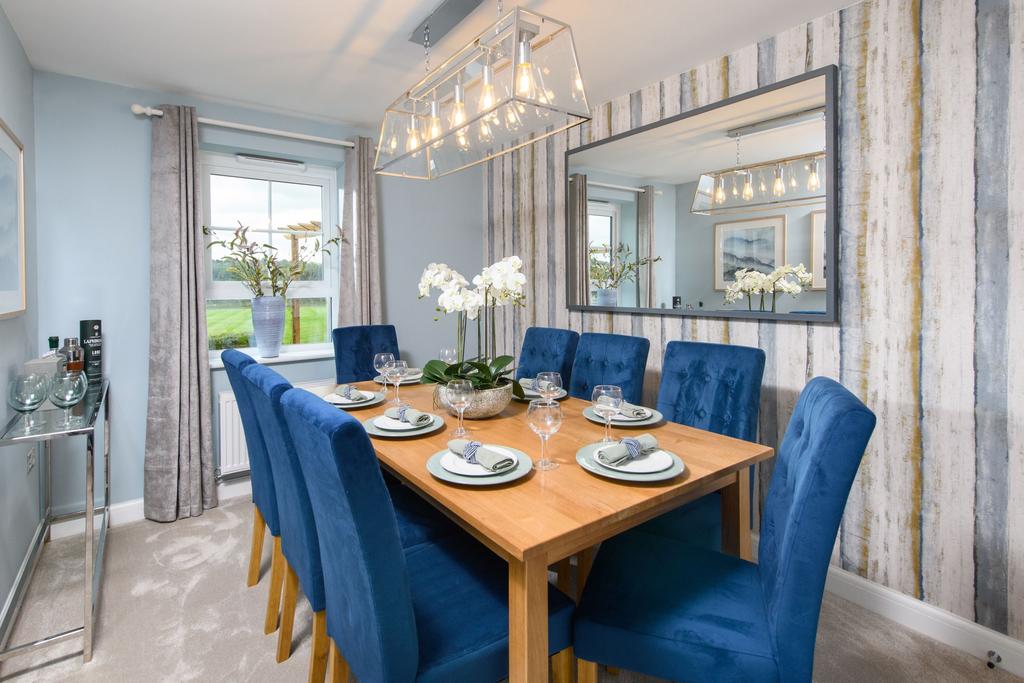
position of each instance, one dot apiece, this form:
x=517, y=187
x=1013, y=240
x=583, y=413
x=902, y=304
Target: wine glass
x=66, y=390
x=395, y=371
x=545, y=418
x=548, y=385
x=448, y=355
x=380, y=361
x=460, y=394
x=607, y=399
x=27, y=392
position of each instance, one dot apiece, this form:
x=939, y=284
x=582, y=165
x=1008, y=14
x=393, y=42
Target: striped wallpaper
x=932, y=281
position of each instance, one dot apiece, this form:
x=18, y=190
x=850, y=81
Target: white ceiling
x=679, y=152
x=345, y=60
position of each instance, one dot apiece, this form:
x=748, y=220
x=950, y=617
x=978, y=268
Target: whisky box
x=91, y=334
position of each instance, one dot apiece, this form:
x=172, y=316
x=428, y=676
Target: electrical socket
x=30, y=460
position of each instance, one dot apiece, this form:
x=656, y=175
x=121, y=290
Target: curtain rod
x=150, y=111
x=624, y=188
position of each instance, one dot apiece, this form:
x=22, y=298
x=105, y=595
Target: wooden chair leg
x=318, y=652
x=284, y=632
x=612, y=670
x=276, y=579
x=337, y=668
x=256, y=553
x=561, y=666
x=586, y=672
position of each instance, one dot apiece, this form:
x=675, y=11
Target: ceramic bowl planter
x=486, y=403
x=268, y=324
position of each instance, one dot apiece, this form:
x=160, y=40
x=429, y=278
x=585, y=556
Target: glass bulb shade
x=779, y=186
x=748, y=188
x=412, y=140
x=735, y=190
x=478, y=85
x=526, y=82
x=762, y=187
x=792, y=179
x=813, y=181
x=719, y=191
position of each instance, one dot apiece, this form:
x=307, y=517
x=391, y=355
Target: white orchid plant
x=499, y=284
x=749, y=283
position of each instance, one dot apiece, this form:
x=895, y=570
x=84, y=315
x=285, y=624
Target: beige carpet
x=175, y=608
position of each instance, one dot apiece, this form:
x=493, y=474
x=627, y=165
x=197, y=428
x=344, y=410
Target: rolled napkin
x=410, y=415
x=636, y=412
x=350, y=393
x=627, y=449
x=475, y=452
x=534, y=385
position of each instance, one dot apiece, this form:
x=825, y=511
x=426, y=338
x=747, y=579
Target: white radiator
x=234, y=457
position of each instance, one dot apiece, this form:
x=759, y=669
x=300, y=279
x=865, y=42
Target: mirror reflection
x=723, y=211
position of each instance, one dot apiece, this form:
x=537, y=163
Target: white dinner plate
x=390, y=424
x=379, y=379
x=339, y=400
x=456, y=465
x=652, y=462
x=629, y=418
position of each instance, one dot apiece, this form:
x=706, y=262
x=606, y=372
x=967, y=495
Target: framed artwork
x=12, y=223
x=758, y=243
x=818, y=250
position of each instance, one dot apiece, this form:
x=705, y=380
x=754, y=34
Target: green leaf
x=500, y=363
x=517, y=390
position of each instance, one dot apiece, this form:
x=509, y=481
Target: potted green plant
x=610, y=268
x=259, y=267
x=492, y=381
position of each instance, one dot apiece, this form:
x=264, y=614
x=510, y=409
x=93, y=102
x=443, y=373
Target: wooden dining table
x=548, y=516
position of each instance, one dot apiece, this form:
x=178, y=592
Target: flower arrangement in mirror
x=785, y=279
x=610, y=268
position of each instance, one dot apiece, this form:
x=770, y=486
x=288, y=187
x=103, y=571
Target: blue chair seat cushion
x=698, y=523
x=675, y=611
x=460, y=601
x=418, y=521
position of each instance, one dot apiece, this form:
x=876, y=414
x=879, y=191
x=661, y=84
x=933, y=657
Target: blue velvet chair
x=609, y=359
x=264, y=498
x=436, y=612
x=299, y=544
x=673, y=610
x=355, y=347
x=715, y=387
x=547, y=349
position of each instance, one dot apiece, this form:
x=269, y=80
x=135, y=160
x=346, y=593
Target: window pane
x=288, y=246
x=239, y=199
x=295, y=204
x=229, y=324
x=599, y=233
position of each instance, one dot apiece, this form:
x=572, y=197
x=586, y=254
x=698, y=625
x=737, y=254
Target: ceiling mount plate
x=443, y=19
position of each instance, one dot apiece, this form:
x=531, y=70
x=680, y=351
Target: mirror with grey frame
x=724, y=211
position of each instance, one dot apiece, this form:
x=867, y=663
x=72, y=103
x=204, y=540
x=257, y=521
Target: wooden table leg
x=736, y=516
x=527, y=620
x=564, y=570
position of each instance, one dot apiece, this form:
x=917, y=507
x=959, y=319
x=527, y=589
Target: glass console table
x=47, y=427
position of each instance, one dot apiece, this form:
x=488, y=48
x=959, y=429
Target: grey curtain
x=578, y=232
x=179, y=473
x=359, y=298
x=645, y=245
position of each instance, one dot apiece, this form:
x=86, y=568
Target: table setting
x=349, y=397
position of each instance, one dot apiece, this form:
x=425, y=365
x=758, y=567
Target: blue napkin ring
x=469, y=452
x=632, y=447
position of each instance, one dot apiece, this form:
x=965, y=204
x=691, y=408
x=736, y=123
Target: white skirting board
x=914, y=614
x=131, y=510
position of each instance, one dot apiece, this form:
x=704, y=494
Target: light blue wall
x=695, y=236
x=19, y=489
x=94, y=161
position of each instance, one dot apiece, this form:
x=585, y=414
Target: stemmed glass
x=548, y=385
x=66, y=390
x=607, y=399
x=27, y=392
x=380, y=361
x=448, y=355
x=545, y=419
x=459, y=393
x=395, y=371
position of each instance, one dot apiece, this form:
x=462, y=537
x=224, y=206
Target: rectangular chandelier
x=516, y=83
x=780, y=183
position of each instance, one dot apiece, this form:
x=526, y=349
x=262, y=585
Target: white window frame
x=219, y=163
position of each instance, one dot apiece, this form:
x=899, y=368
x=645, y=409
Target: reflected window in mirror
x=726, y=211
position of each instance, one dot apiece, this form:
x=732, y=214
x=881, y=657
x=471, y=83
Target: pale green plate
x=654, y=419
x=374, y=430
x=586, y=460
x=522, y=468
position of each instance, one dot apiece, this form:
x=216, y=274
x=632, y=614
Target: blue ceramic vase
x=268, y=324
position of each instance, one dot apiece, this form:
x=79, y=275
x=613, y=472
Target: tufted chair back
x=547, y=349
x=298, y=531
x=369, y=604
x=355, y=347
x=716, y=387
x=609, y=359
x=814, y=471
x=261, y=478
